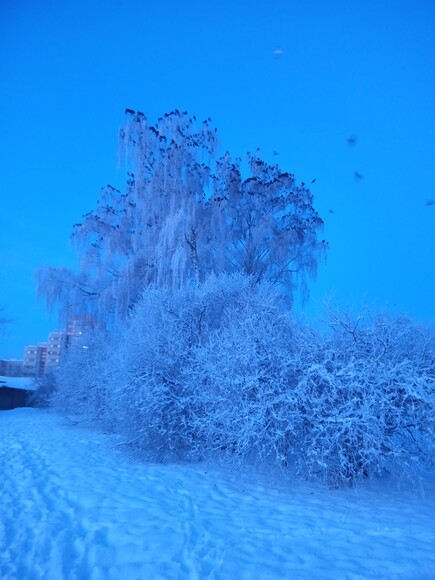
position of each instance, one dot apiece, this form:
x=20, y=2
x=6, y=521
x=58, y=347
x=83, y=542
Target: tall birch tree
x=185, y=213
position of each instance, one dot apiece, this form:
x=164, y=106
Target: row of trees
x=224, y=371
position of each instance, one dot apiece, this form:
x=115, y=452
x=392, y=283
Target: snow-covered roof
x=26, y=383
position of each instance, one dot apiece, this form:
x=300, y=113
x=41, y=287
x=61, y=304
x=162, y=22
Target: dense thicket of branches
x=185, y=214
x=224, y=371
x=197, y=353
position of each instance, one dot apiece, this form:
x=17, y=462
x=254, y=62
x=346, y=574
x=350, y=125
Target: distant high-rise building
x=56, y=345
x=45, y=357
x=77, y=326
x=34, y=360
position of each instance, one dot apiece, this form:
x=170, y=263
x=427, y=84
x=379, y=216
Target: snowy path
x=74, y=507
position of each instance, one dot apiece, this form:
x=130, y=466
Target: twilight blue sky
x=69, y=68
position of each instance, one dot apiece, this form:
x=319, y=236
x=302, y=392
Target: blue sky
x=348, y=67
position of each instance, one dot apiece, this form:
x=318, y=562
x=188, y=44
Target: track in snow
x=73, y=506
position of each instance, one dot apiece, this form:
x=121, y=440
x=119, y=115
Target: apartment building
x=78, y=326
x=56, y=345
x=34, y=360
x=11, y=367
x=45, y=357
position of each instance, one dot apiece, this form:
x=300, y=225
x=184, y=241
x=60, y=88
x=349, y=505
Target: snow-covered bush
x=150, y=399
x=368, y=399
x=81, y=382
x=224, y=370
x=45, y=387
x=243, y=376
x=169, y=352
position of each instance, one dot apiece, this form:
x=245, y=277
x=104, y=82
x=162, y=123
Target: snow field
x=73, y=505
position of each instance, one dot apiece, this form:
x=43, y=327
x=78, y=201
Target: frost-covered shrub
x=243, y=376
x=368, y=399
x=81, y=382
x=45, y=387
x=224, y=370
x=170, y=352
x=151, y=398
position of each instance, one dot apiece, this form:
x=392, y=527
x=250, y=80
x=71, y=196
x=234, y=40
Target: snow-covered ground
x=74, y=506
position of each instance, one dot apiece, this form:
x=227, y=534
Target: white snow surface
x=27, y=383
x=74, y=505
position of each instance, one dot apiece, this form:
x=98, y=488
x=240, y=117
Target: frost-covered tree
x=185, y=214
